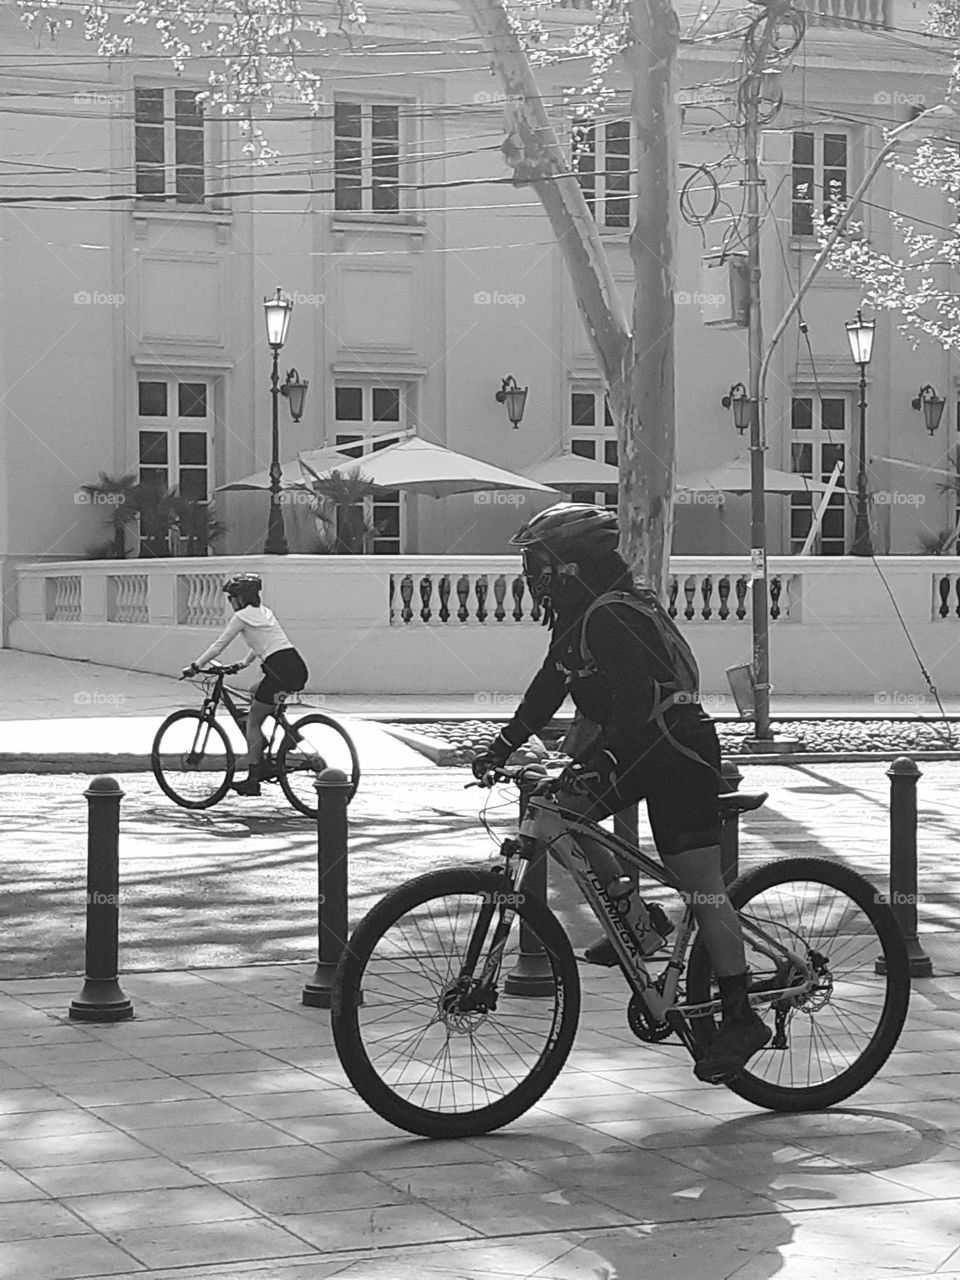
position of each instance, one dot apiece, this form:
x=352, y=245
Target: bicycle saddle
x=741, y=801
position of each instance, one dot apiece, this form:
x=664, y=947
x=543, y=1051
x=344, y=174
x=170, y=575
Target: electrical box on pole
x=725, y=290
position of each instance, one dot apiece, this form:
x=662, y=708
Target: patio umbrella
x=571, y=471
x=418, y=467
x=291, y=473
x=734, y=477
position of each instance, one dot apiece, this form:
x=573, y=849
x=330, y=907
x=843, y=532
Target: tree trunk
x=648, y=434
x=637, y=371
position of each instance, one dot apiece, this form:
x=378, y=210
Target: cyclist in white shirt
x=283, y=668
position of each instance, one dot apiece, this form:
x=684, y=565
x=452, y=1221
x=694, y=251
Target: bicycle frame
x=219, y=693
x=545, y=824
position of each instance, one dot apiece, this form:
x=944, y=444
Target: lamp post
x=277, y=313
x=860, y=333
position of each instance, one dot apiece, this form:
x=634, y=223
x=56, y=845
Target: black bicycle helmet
x=245, y=587
x=569, y=529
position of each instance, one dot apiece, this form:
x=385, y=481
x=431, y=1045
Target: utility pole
x=751, y=96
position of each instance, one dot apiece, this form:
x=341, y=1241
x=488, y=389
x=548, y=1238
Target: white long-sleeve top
x=260, y=630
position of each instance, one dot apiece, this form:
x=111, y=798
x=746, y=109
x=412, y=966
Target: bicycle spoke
x=430, y=1050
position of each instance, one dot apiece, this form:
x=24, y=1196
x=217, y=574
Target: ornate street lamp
x=738, y=399
x=932, y=406
x=860, y=333
x=296, y=392
x=514, y=397
x=277, y=314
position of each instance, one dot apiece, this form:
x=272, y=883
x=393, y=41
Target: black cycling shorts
x=681, y=794
x=283, y=672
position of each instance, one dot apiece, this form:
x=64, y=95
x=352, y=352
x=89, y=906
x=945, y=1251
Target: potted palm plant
x=117, y=497
x=339, y=507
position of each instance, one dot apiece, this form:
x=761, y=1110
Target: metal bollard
x=333, y=789
x=100, y=998
x=730, y=829
x=532, y=974
x=904, y=776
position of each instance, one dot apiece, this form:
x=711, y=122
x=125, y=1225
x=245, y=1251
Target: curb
x=435, y=749
x=93, y=762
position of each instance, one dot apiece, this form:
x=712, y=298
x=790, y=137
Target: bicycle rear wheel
x=838, y=1035
x=417, y=1043
x=312, y=744
x=192, y=760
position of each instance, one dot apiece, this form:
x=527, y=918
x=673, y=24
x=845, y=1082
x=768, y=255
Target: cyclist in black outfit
x=663, y=751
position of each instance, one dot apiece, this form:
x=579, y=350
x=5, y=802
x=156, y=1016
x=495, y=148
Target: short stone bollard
x=904, y=776
x=333, y=792
x=730, y=825
x=101, y=998
x=532, y=974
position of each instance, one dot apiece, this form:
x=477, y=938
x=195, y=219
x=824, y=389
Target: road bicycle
x=194, y=761
x=433, y=1039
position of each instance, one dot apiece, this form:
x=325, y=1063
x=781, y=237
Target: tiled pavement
x=214, y=1136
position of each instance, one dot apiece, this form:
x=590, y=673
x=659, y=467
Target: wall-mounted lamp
x=296, y=392
x=514, y=397
x=932, y=406
x=739, y=401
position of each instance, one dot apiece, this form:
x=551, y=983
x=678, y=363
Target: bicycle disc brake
x=643, y=1026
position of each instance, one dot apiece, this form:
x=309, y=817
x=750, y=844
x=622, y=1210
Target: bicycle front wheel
x=192, y=760
x=312, y=744
x=837, y=1036
x=422, y=1043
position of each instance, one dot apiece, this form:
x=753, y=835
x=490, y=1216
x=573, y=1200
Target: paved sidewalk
x=59, y=714
x=214, y=1137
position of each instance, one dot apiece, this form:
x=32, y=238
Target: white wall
x=837, y=632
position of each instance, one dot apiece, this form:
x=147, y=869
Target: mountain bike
x=432, y=1039
x=194, y=761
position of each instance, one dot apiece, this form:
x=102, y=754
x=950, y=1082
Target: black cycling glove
x=493, y=756
x=599, y=771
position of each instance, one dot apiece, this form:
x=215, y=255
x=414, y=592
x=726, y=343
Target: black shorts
x=681, y=794
x=283, y=672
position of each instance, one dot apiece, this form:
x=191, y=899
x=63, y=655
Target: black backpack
x=684, y=685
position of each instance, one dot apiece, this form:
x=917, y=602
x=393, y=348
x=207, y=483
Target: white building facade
x=137, y=245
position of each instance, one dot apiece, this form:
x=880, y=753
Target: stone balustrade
x=484, y=598
x=467, y=624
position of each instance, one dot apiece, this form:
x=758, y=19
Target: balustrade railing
x=946, y=596
x=200, y=599
x=847, y=13
x=469, y=598
x=63, y=598
x=127, y=597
